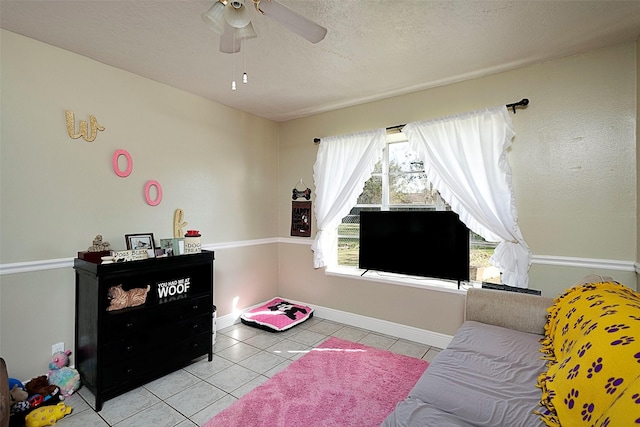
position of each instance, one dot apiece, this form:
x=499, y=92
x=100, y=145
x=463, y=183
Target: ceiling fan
x=230, y=19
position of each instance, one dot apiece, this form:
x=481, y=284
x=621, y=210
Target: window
x=400, y=183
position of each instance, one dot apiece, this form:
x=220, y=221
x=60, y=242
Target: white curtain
x=343, y=165
x=466, y=160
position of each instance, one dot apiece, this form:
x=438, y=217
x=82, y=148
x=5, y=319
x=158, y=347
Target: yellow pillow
x=593, y=343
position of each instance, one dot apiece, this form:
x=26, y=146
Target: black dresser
x=119, y=350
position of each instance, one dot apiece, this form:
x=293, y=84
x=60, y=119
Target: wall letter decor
x=178, y=225
x=116, y=168
x=147, y=188
x=83, y=127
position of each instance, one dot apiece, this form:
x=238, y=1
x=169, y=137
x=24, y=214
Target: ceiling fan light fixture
x=236, y=14
x=246, y=32
x=214, y=17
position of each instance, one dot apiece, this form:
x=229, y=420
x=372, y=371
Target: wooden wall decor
x=83, y=128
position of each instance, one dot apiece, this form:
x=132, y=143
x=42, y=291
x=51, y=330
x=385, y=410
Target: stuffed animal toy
x=47, y=415
x=18, y=397
x=68, y=379
x=40, y=385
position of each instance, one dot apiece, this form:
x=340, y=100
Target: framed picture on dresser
x=141, y=241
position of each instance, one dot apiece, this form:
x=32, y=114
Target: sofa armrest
x=513, y=310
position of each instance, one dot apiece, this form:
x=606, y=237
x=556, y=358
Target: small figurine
x=119, y=298
x=99, y=245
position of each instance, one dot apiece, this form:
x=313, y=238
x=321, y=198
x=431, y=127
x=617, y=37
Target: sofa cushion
x=592, y=346
x=413, y=412
x=486, y=376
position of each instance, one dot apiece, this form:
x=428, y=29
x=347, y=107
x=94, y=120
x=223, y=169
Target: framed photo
x=173, y=246
x=141, y=241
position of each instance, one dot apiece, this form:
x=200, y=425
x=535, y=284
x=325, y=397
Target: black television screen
x=418, y=243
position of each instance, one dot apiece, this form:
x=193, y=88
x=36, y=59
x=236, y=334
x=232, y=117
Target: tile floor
x=244, y=358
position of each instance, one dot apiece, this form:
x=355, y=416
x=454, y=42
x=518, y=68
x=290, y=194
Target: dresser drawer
x=139, y=321
x=151, y=364
x=155, y=339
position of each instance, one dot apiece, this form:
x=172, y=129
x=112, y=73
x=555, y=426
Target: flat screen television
x=418, y=243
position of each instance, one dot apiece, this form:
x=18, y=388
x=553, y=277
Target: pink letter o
x=147, y=187
x=116, y=168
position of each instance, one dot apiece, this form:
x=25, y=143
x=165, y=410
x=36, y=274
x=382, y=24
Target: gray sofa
x=487, y=375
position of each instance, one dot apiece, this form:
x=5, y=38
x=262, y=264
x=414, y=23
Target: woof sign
x=174, y=288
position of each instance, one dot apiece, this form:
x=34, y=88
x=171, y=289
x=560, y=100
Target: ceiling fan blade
x=293, y=21
x=228, y=43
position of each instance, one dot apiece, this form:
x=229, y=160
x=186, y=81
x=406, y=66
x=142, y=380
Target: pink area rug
x=339, y=383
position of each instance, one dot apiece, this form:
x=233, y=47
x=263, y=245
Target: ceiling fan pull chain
x=233, y=67
x=245, y=78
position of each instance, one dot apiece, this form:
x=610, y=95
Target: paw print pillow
x=595, y=354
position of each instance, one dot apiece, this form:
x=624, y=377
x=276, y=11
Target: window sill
x=401, y=280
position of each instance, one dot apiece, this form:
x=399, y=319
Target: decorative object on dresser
x=96, y=251
x=141, y=241
x=174, y=246
x=178, y=223
x=192, y=244
x=117, y=350
x=119, y=298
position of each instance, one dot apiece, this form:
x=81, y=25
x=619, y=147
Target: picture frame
x=140, y=241
x=172, y=247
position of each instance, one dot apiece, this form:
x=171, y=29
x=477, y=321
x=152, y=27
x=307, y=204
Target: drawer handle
x=195, y=307
x=129, y=348
x=129, y=370
x=196, y=327
x=129, y=325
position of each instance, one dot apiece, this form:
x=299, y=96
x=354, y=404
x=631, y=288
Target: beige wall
x=574, y=175
x=218, y=164
x=574, y=172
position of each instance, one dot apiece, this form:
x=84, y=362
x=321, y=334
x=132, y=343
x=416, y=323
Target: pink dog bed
x=277, y=315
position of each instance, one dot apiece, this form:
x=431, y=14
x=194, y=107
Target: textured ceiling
x=373, y=49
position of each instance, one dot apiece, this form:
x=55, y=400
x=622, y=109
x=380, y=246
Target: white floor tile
x=244, y=358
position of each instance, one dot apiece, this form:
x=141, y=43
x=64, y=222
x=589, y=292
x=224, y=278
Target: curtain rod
x=522, y=103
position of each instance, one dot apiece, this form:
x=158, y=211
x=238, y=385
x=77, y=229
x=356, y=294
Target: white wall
x=218, y=164
x=574, y=175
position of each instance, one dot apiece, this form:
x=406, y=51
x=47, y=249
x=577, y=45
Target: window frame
x=398, y=279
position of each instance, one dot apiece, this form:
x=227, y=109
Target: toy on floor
x=18, y=398
x=47, y=415
x=40, y=385
x=68, y=379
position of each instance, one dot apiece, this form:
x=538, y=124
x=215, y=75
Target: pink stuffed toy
x=68, y=379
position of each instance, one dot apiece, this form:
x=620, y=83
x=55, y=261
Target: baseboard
x=398, y=330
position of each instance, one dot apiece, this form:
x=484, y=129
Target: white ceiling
x=373, y=49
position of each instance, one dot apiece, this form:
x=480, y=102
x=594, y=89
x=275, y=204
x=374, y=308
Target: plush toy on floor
x=47, y=415
x=68, y=379
x=18, y=398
